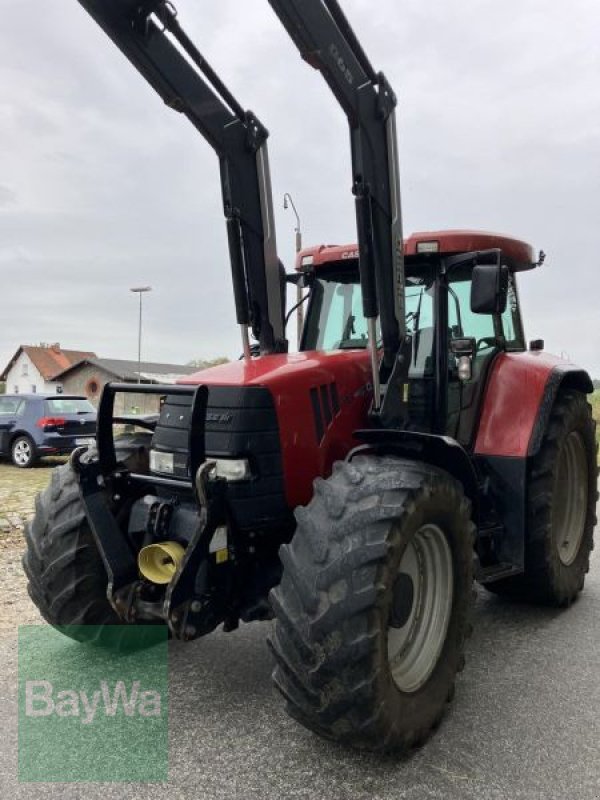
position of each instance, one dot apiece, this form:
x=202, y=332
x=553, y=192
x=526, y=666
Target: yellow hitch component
x=158, y=562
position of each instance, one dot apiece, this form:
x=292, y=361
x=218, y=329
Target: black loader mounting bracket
x=103, y=482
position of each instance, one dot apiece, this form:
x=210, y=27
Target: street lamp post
x=287, y=202
x=140, y=290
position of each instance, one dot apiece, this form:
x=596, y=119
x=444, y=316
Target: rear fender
x=519, y=396
x=562, y=377
x=440, y=451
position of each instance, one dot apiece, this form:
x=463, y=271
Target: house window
x=25, y=369
x=33, y=388
x=16, y=391
x=93, y=387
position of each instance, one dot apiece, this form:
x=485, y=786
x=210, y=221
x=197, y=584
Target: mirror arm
x=473, y=258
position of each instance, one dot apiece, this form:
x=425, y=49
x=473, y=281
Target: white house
x=31, y=370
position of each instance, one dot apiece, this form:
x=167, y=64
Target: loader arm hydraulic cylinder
x=150, y=36
x=326, y=40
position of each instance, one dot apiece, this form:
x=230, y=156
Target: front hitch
x=104, y=483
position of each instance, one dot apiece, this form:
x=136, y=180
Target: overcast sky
x=102, y=187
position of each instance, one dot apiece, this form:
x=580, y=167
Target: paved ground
x=525, y=722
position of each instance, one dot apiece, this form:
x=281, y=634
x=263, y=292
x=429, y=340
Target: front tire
x=67, y=578
x=373, y=608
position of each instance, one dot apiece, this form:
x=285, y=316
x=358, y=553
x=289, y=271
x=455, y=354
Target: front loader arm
x=150, y=36
x=325, y=40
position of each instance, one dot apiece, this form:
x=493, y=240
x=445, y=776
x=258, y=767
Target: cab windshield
x=336, y=322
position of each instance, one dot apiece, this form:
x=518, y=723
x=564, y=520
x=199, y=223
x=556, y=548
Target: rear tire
x=67, y=578
x=366, y=650
x=561, y=508
x=22, y=452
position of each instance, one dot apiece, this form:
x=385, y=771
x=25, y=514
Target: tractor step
x=494, y=572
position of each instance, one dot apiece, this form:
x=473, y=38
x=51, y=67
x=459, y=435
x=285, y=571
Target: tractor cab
x=453, y=337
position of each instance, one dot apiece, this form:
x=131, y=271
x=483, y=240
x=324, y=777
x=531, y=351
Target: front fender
x=440, y=451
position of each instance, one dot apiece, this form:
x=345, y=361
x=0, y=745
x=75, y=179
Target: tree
x=202, y=364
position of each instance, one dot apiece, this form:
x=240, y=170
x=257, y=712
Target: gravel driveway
x=18, y=488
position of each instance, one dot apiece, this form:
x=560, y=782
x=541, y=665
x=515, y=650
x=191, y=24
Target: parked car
x=36, y=425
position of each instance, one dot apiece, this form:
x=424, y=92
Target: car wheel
x=22, y=452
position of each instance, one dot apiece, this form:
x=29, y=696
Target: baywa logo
x=41, y=700
x=90, y=713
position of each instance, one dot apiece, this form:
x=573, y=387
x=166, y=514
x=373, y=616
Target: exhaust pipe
x=159, y=562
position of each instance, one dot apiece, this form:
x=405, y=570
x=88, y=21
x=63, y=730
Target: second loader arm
x=150, y=36
x=326, y=40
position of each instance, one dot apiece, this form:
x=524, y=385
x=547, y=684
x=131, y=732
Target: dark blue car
x=36, y=425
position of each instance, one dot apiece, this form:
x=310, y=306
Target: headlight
x=232, y=469
x=162, y=462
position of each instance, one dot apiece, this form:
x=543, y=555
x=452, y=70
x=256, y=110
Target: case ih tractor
x=351, y=491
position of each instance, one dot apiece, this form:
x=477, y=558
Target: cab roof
x=519, y=255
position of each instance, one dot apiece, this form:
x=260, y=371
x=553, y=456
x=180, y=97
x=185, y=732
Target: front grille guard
x=106, y=418
x=104, y=482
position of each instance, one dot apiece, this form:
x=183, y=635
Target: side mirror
x=489, y=289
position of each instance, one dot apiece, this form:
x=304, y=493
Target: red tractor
x=351, y=491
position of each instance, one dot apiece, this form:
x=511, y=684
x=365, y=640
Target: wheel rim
x=22, y=452
x=421, y=608
x=570, y=505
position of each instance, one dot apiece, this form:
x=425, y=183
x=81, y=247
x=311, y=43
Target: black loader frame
x=149, y=35
x=326, y=40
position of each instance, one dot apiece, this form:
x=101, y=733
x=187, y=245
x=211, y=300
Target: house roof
x=149, y=371
x=49, y=360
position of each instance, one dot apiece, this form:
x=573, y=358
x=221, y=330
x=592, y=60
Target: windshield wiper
x=349, y=328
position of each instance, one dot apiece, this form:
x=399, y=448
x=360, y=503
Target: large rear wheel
x=372, y=610
x=561, y=508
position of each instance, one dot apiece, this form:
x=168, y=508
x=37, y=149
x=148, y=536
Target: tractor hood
x=285, y=372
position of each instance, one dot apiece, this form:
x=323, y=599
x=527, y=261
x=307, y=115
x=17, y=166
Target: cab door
x=492, y=336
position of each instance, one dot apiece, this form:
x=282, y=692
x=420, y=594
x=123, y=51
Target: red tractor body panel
x=512, y=402
x=320, y=399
